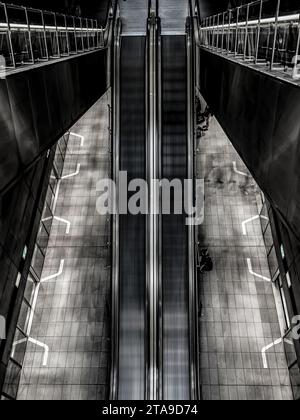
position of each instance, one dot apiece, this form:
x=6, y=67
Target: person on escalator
x=203, y=121
x=206, y=263
x=207, y=116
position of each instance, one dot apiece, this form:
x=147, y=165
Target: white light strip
x=281, y=19
x=48, y=28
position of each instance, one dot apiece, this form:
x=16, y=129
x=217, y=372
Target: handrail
x=112, y=23
x=115, y=219
x=160, y=246
x=194, y=15
x=153, y=5
x=261, y=33
x=31, y=36
x=153, y=219
x=193, y=294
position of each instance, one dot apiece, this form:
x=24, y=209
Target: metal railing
x=29, y=36
x=263, y=32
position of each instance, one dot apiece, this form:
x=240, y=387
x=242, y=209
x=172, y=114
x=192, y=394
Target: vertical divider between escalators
x=153, y=235
x=160, y=250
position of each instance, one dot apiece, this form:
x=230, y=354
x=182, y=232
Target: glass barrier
x=29, y=36
x=265, y=33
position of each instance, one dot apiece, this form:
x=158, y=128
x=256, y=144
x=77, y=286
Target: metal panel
x=260, y=114
x=39, y=105
x=52, y=96
x=284, y=167
x=22, y=116
x=9, y=159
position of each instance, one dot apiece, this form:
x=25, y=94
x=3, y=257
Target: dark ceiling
x=209, y=7
x=92, y=7
x=87, y=8
x=98, y=8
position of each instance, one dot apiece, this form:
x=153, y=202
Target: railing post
x=75, y=35
x=87, y=33
x=246, y=32
x=213, y=32
x=223, y=27
x=102, y=37
x=296, y=74
x=97, y=34
x=93, y=33
x=67, y=35
x=236, y=31
x=207, y=32
x=29, y=34
x=57, y=36
x=258, y=32
x=95, y=27
x=228, y=35
x=82, y=40
x=275, y=35
x=218, y=31
x=9, y=36
x=45, y=34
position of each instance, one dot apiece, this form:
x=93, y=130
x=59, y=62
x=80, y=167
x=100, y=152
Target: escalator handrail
x=193, y=284
x=153, y=219
x=112, y=17
x=115, y=219
x=194, y=15
x=160, y=247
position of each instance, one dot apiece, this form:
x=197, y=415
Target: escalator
x=132, y=227
x=175, y=281
x=153, y=311
x=129, y=275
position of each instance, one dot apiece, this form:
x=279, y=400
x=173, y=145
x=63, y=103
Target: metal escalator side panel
x=160, y=249
x=115, y=218
x=193, y=292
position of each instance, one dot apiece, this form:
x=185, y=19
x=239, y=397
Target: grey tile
x=70, y=309
x=245, y=306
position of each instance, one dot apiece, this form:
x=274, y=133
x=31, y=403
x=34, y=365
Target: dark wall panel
x=22, y=116
x=260, y=115
x=39, y=105
x=9, y=159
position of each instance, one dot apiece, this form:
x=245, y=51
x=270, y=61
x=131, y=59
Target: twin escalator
x=132, y=239
x=152, y=352
x=175, y=279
